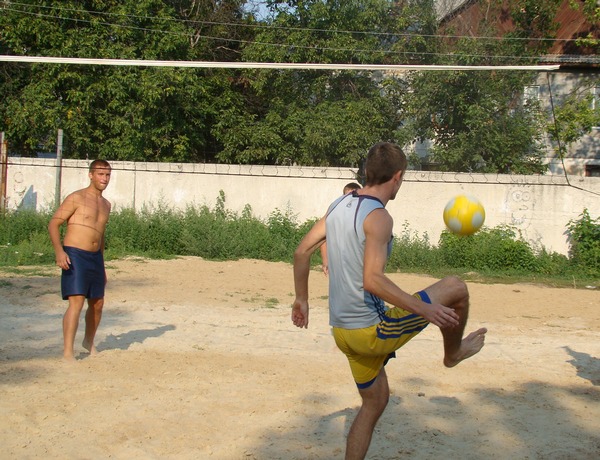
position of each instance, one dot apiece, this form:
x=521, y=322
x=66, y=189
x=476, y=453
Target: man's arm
x=103, y=239
x=378, y=230
x=309, y=244
x=325, y=261
x=62, y=214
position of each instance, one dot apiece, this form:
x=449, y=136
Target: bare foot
x=69, y=358
x=89, y=347
x=469, y=346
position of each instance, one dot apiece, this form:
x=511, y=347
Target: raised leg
x=452, y=292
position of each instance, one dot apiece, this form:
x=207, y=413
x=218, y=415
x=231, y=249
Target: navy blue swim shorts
x=85, y=276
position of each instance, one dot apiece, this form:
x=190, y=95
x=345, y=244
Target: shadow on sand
x=125, y=340
x=588, y=367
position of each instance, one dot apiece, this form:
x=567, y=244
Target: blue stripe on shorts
x=423, y=296
x=393, y=328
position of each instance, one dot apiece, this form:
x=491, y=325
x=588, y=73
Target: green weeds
x=496, y=254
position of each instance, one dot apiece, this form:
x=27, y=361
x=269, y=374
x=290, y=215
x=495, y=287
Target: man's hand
x=62, y=260
x=441, y=316
x=300, y=313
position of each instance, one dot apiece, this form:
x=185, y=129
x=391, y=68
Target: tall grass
x=219, y=234
x=216, y=234
x=24, y=238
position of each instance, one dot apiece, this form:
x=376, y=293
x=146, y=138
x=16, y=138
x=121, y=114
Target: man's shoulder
x=379, y=215
x=107, y=204
x=80, y=192
x=74, y=196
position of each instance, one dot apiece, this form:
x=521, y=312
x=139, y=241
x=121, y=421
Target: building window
x=592, y=170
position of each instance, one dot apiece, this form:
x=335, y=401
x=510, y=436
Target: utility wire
x=268, y=27
x=412, y=54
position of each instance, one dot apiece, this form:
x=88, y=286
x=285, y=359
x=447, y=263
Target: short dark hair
x=352, y=186
x=383, y=161
x=99, y=164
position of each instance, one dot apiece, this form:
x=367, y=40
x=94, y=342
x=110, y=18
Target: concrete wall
x=538, y=206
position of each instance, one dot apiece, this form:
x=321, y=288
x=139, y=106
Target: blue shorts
x=85, y=276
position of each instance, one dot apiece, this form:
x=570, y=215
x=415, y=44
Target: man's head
x=350, y=187
x=96, y=164
x=99, y=174
x=384, y=160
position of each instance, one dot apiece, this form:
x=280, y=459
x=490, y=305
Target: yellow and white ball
x=464, y=215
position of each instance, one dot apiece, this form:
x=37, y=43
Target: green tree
x=479, y=121
x=126, y=113
x=572, y=118
x=320, y=117
x=591, y=11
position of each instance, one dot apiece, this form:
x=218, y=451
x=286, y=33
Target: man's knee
x=377, y=396
x=76, y=302
x=96, y=304
x=458, y=288
x=384, y=400
x=375, y=406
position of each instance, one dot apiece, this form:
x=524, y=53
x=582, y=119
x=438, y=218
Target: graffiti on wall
x=520, y=205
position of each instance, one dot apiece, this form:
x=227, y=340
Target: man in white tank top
x=358, y=230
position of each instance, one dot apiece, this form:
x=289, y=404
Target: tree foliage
x=319, y=117
x=591, y=12
x=573, y=116
x=477, y=120
x=127, y=113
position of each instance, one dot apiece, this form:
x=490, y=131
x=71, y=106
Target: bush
x=584, y=236
x=24, y=238
x=413, y=252
x=16, y=226
x=220, y=234
x=496, y=249
x=554, y=264
x=217, y=234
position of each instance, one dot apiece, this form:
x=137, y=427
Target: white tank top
x=350, y=306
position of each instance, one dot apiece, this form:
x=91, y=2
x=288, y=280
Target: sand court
x=199, y=359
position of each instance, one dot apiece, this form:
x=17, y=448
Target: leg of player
x=374, y=401
x=452, y=292
x=70, y=324
x=92, y=321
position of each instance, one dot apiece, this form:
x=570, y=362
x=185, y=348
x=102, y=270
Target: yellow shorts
x=368, y=349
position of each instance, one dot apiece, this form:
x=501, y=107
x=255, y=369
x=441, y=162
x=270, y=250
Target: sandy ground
x=199, y=360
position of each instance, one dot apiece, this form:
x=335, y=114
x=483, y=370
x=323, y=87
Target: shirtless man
x=365, y=329
x=81, y=255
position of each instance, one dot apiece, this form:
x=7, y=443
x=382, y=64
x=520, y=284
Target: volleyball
x=464, y=215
